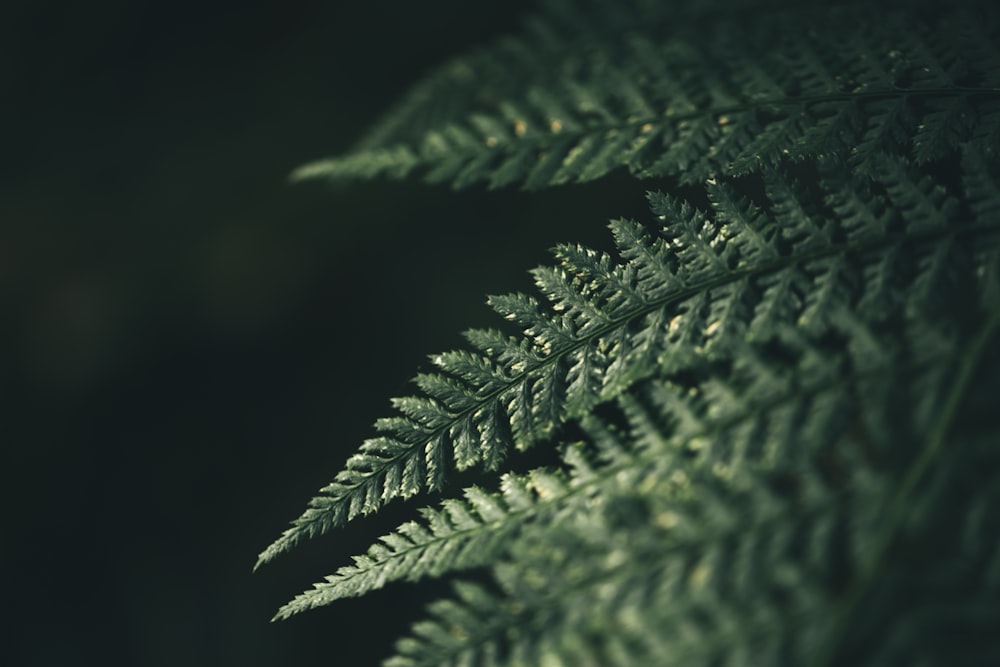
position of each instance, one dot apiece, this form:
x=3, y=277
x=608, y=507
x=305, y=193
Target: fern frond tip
x=309, y=171
x=279, y=546
x=392, y=161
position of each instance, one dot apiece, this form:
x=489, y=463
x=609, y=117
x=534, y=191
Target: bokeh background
x=191, y=346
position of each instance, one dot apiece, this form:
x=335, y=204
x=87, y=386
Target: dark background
x=192, y=347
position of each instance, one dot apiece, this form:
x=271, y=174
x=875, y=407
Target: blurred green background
x=191, y=346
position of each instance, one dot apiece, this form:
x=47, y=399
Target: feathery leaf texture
x=692, y=98
x=753, y=531
x=775, y=402
x=683, y=295
x=461, y=534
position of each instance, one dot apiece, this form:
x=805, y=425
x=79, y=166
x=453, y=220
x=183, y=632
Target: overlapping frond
x=680, y=297
x=767, y=504
x=786, y=385
x=662, y=96
x=465, y=533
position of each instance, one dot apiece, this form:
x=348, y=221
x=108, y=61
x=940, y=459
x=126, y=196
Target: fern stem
x=757, y=105
x=810, y=100
x=898, y=504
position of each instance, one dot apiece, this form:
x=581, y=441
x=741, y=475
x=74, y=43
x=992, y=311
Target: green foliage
x=692, y=97
x=775, y=403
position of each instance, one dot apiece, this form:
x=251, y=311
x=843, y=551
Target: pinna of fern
x=691, y=98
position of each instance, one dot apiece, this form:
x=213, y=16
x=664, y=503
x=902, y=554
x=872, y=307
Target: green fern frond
x=727, y=97
x=544, y=51
x=461, y=534
x=754, y=530
x=708, y=279
x=785, y=385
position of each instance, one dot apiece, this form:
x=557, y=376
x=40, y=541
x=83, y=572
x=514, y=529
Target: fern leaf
x=884, y=134
x=559, y=29
x=786, y=392
x=692, y=100
x=948, y=124
x=743, y=553
x=470, y=532
x=461, y=534
x=706, y=280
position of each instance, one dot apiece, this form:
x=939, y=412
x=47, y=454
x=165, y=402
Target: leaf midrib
x=542, y=140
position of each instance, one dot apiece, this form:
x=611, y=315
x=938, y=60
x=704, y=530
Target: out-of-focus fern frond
x=549, y=45
x=693, y=98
